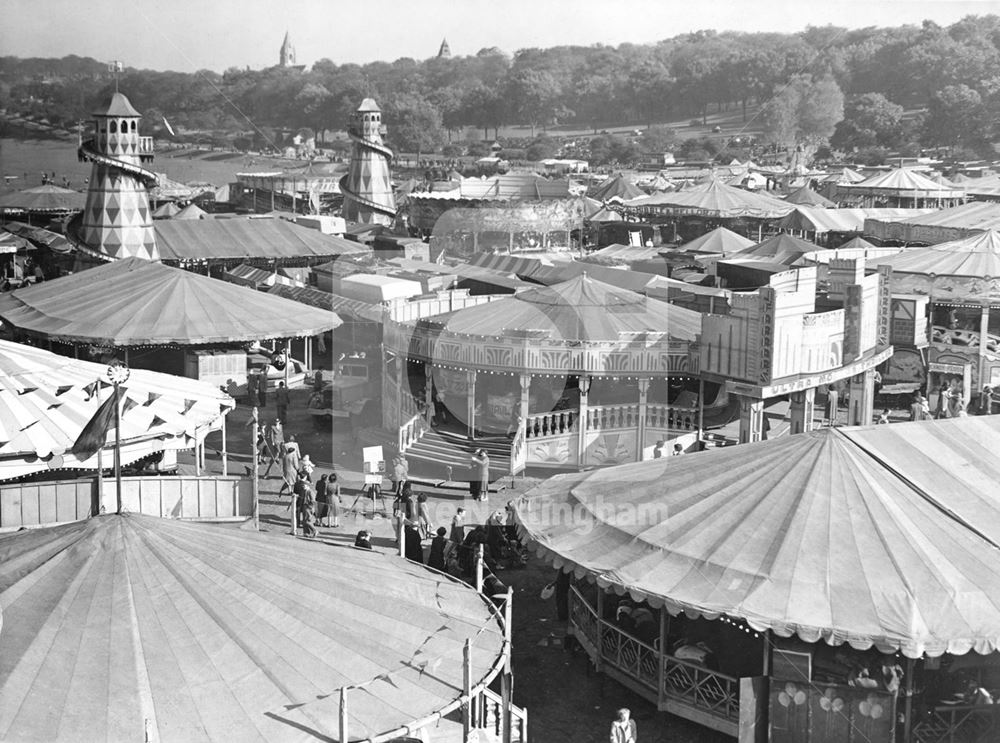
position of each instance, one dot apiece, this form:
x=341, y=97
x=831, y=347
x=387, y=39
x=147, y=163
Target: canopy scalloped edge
x=831, y=636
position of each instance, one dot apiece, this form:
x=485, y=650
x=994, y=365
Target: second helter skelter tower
x=367, y=187
x=117, y=222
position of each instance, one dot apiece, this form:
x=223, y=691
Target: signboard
x=374, y=466
x=767, y=298
x=764, y=392
x=884, y=306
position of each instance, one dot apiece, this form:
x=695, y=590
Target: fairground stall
x=47, y=401
x=803, y=589
x=946, y=300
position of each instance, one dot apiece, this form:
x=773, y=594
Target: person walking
x=308, y=511
x=458, y=526
x=424, y=516
x=439, y=550
x=333, y=493
x=289, y=468
x=475, y=484
x=282, y=401
x=623, y=728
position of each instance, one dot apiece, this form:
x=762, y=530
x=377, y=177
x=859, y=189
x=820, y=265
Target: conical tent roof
x=166, y=210
x=716, y=199
x=580, y=309
x=133, y=302
x=47, y=198
x=783, y=248
x=856, y=243
x=975, y=257
x=191, y=211
x=817, y=534
x=805, y=196
x=194, y=632
x=844, y=176
x=617, y=187
x=719, y=240
x=47, y=399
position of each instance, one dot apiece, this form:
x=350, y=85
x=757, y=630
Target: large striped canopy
x=714, y=199
x=881, y=535
x=120, y=626
x=46, y=400
x=47, y=198
x=134, y=302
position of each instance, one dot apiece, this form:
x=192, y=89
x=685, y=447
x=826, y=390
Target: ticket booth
x=954, y=377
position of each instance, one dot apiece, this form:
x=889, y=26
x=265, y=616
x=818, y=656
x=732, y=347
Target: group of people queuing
x=951, y=403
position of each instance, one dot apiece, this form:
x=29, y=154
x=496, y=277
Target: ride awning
x=883, y=535
x=47, y=399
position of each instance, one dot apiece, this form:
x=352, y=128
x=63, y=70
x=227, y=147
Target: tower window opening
x=132, y=126
x=113, y=127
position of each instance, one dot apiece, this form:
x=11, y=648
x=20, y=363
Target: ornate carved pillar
x=800, y=410
x=640, y=434
x=751, y=419
x=525, y=389
x=584, y=385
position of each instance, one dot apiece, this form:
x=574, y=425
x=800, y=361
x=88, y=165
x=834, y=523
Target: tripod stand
x=371, y=490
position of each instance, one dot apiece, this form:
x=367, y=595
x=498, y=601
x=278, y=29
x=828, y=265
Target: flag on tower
x=169, y=128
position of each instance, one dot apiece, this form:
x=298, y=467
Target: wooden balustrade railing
x=490, y=715
x=551, y=424
x=696, y=686
x=410, y=432
x=960, y=723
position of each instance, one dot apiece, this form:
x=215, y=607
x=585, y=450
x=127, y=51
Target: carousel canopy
x=166, y=188
x=133, y=302
x=843, y=176
x=805, y=196
x=819, y=219
x=976, y=257
x=715, y=199
x=46, y=400
x=210, y=633
x=904, y=182
x=580, y=309
x=720, y=240
x=820, y=534
x=47, y=198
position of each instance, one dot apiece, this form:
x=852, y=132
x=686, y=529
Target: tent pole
x=225, y=457
x=118, y=451
x=908, y=702
x=466, y=690
x=343, y=715
x=479, y=568
x=506, y=678
x=255, y=485
x=100, y=463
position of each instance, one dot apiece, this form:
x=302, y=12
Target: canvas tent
x=156, y=629
x=46, y=400
x=885, y=536
x=712, y=199
x=720, y=240
x=47, y=198
x=133, y=302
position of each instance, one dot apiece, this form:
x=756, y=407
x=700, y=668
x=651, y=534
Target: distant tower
x=286, y=57
x=366, y=187
x=445, y=51
x=116, y=221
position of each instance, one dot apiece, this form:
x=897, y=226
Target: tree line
x=865, y=91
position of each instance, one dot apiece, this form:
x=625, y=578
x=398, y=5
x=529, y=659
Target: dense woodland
x=864, y=92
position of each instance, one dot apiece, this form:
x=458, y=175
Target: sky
x=187, y=35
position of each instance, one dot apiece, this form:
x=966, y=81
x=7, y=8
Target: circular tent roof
x=714, y=199
x=211, y=633
x=817, y=534
x=134, y=302
x=580, y=309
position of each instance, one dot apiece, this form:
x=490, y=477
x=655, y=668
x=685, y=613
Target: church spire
x=445, y=51
x=286, y=57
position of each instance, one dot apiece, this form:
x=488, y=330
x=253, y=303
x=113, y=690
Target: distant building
x=445, y=51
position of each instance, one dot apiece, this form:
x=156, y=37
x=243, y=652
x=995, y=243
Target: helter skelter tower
x=367, y=188
x=117, y=222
